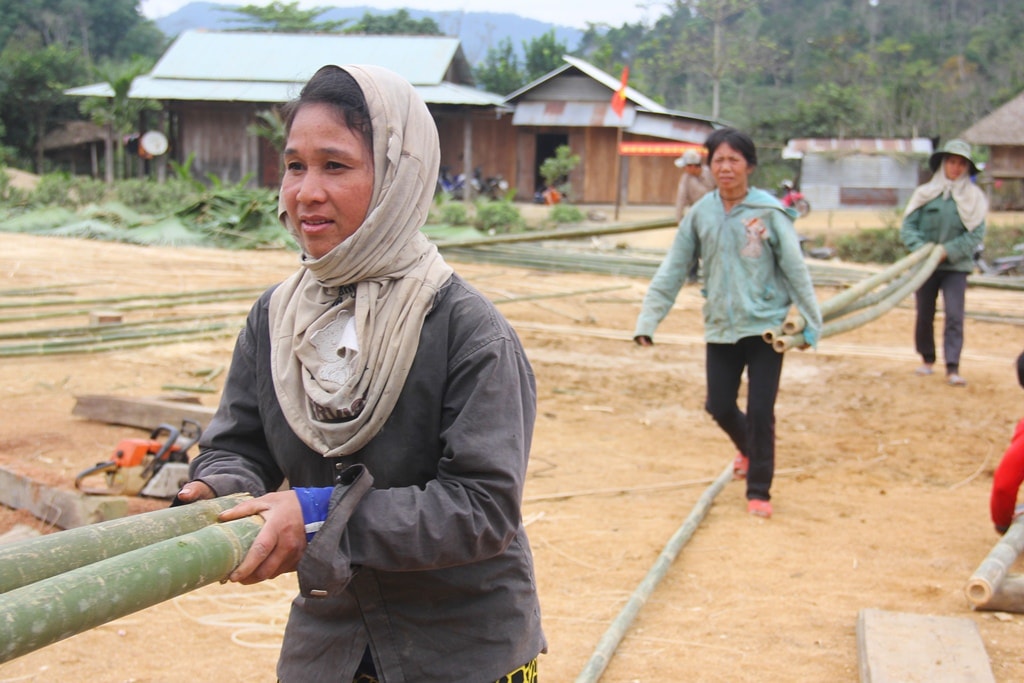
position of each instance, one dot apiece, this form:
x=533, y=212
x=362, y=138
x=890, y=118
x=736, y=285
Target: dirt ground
x=880, y=497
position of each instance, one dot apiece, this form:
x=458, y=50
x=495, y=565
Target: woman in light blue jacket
x=753, y=273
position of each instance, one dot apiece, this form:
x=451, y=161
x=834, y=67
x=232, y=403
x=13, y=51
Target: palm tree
x=118, y=113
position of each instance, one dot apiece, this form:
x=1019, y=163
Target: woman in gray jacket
x=397, y=405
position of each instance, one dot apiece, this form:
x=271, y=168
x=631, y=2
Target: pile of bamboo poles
x=990, y=587
x=865, y=301
x=59, y=585
x=21, y=311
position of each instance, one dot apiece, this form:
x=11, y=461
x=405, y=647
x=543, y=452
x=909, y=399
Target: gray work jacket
x=431, y=566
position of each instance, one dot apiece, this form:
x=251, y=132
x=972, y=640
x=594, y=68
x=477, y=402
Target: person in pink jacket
x=1010, y=473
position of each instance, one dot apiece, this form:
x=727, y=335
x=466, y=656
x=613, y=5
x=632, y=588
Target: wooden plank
x=898, y=647
x=66, y=509
x=145, y=413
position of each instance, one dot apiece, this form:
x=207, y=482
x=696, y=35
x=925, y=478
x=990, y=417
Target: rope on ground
x=616, y=632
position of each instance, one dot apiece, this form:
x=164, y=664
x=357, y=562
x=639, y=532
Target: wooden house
x=572, y=106
x=213, y=85
x=850, y=173
x=1002, y=132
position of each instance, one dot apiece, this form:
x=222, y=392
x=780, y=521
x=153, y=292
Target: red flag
x=619, y=97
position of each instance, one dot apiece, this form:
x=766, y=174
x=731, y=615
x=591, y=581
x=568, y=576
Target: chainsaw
x=154, y=467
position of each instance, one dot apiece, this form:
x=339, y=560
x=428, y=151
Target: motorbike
x=452, y=185
x=1010, y=266
x=492, y=187
x=794, y=199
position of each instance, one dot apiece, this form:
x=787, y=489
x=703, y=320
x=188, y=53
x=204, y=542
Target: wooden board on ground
x=909, y=648
x=65, y=509
x=145, y=413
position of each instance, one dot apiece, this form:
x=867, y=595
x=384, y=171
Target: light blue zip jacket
x=752, y=265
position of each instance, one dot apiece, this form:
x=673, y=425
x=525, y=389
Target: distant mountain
x=478, y=31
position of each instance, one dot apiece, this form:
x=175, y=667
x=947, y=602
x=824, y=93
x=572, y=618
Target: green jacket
x=938, y=222
x=752, y=264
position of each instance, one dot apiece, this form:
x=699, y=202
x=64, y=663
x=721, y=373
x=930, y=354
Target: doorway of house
x=547, y=143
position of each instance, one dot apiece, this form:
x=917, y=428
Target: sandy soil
x=880, y=497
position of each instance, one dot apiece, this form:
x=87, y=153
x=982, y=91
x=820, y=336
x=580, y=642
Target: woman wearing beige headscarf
x=949, y=210
x=395, y=402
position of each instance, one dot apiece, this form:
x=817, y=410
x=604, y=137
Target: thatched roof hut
x=72, y=134
x=1003, y=132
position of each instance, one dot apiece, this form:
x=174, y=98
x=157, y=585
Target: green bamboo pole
x=867, y=284
x=165, y=296
x=616, y=632
x=851, y=298
x=986, y=579
x=833, y=327
x=64, y=605
x=152, y=323
x=876, y=296
x=34, y=559
x=563, y=233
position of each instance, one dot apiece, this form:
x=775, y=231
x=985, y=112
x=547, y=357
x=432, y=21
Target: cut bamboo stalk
x=866, y=285
x=617, y=631
x=847, y=323
x=770, y=335
x=852, y=298
x=564, y=233
x=35, y=559
x=991, y=572
x=794, y=325
x=1008, y=596
x=64, y=605
x=876, y=296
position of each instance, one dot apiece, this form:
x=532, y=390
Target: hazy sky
x=562, y=12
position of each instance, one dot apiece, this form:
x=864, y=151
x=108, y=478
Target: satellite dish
x=153, y=142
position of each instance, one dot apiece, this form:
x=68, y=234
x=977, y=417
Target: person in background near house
x=695, y=182
x=395, y=401
x=1010, y=473
x=753, y=273
x=948, y=210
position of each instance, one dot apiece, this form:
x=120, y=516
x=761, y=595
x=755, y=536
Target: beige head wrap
x=394, y=270
x=971, y=203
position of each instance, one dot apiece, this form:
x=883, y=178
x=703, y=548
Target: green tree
x=400, y=23
x=32, y=84
x=97, y=29
x=543, y=54
x=282, y=17
x=499, y=72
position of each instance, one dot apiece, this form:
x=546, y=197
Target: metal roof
x=796, y=148
x=294, y=57
x=568, y=103
x=606, y=79
x=146, y=87
x=272, y=67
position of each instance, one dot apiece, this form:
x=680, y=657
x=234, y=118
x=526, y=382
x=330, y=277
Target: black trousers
x=953, y=285
x=753, y=431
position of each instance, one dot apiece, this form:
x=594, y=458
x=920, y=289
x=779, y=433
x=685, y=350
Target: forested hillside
x=780, y=68
x=800, y=68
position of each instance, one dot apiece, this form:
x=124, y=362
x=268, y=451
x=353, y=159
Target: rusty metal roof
x=578, y=95
x=798, y=147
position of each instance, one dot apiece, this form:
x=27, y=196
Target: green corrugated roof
x=272, y=67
